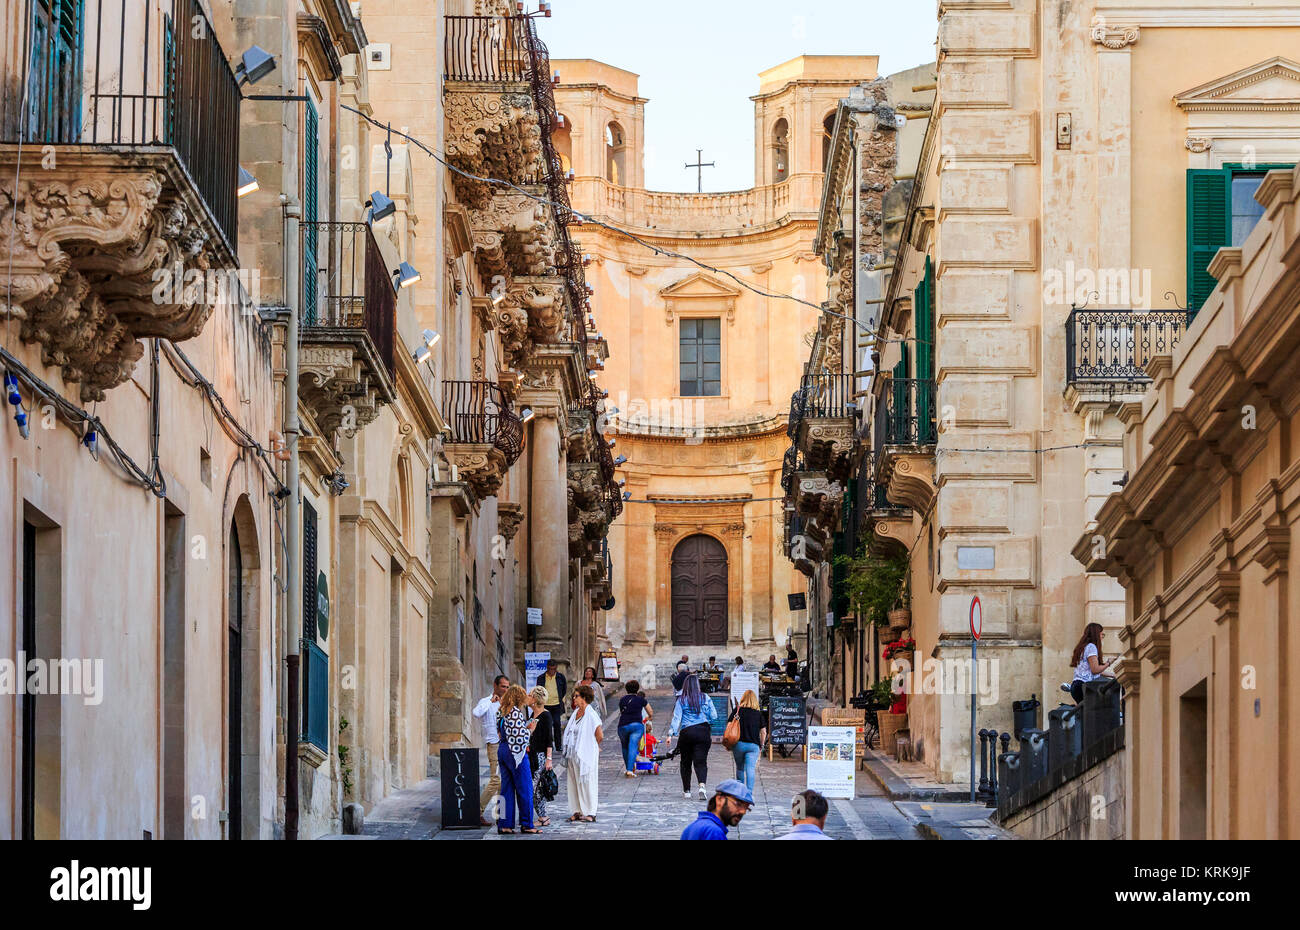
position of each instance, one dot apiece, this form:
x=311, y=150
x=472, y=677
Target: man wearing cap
x=731, y=801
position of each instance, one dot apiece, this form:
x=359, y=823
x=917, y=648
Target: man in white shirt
x=487, y=711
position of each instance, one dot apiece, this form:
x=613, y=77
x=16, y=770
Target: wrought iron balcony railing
x=871, y=493
x=477, y=413
x=792, y=463
x=906, y=415
x=1115, y=345
x=131, y=74
x=346, y=285
x=828, y=396
x=507, y=50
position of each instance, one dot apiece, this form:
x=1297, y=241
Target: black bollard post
x=984, y=774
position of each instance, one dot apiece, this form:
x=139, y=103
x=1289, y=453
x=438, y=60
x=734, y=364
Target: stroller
x=646, y=761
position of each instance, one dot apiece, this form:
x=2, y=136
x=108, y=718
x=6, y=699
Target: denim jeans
x=630, y=735
x=746, y=755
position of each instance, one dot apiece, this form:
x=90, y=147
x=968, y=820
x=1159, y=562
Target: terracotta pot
x=900, y=619
x=890, y=724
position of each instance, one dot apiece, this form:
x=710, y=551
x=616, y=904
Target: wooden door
x=699, y=578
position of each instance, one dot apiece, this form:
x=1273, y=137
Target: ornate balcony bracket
x=828, y=444
x=341, y=379
x=509, y=516
x=491, y=132
x=816, y=493
x=581, y=437
x=899, y=530
x=105, y=252
x=909, y=477
x=513, y=235
x=479, y=464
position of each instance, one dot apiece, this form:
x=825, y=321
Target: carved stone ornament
x=1114, y=37
x=492, y=135
x=1198, y=144
x=341, y=380
x=509, y=516
x=514, y=235
x=481, y=465
x=827, y=443
x=103, y=254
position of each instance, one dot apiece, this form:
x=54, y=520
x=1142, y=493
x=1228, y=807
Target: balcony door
x=54, y=80
x=699, y=578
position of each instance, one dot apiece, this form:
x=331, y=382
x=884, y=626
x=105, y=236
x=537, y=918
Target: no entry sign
x=976, y=617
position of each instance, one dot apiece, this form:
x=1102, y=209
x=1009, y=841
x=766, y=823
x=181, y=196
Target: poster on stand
x=534, y=668
x=832, y=761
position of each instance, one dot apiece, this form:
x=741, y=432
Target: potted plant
x=876, y=584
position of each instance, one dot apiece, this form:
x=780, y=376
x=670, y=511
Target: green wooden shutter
x=924, y=303
x=310, y=212
x=1209, y=228
x=902, y=371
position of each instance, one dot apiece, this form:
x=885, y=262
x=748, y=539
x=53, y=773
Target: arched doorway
x=234, y=686
x=699, y=577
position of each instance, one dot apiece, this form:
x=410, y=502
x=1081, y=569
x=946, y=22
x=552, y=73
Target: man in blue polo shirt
x=731, y=801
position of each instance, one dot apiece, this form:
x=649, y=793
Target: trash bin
x=1008, y=775
x=1100, y=709
x=1065, y=732
x=1024, y=714
x=1033, y=755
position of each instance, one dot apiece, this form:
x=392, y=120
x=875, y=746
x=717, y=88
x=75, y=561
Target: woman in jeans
x=691, y=719
x=540, y=747
x=515, y=728
x=752, y=734
x=631, y=725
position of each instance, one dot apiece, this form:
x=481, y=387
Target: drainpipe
x=293, y=518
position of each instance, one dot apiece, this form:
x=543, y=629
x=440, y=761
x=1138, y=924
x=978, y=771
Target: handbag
x=548, y=783
x=731, y=735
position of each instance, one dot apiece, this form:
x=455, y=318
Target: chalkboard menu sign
x=459, y=789
x=787, y=721
x=721, y=708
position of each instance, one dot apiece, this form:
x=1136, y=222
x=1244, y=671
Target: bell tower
x=603, y=130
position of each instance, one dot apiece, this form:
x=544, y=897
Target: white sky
x=698, y=62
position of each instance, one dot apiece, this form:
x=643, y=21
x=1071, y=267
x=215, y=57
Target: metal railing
x=872, y=493
x=792, y=463
x=477, y=412
x=491, y=49
x=132, y=73
x=828, y=396
x=346, y=284
x=507, y=50
x=1115, y=345
x=906, y=414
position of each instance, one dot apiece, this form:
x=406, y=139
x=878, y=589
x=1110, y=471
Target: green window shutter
x=1209, y=228
x=310, y=212
x=924, y=303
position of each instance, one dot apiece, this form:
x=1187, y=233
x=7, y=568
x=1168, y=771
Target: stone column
x=448, y=702
x=548, y=534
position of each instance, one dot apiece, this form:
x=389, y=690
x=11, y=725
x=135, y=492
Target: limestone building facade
x=446, y=431
x=701, y=366
x=1083, y=165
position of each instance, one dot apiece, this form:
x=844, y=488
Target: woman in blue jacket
x=690, y=724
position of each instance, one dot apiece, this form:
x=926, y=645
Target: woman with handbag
x=582, y=739
x=540, y=746
x=744, y=737
x=514, y=726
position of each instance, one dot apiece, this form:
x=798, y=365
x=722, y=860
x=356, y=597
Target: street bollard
x=984, y=771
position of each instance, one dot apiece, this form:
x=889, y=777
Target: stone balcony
x=818, y=497
x=589, y=508
x=122, y=224
x=347, y=334
x=824, y=417
x=486, y=438
x=904, y=439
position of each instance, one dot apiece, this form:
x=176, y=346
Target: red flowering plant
x=898, y=646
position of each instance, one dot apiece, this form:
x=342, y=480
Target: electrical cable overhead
x=658, y=250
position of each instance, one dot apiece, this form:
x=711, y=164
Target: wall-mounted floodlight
x=526, y=414
x=430, y=338
x=406, y=274
x=247, y=183
x=620, y=460
x=613, y=411
x=380, y=206
x=422, y=355
x=256, y=64
x=627, y=495
x=611, y=443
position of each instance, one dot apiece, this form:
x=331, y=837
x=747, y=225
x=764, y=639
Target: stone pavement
x=652, y=806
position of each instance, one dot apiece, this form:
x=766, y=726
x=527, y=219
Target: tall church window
x=562, y=139
x=700, y=357
x=828, y=133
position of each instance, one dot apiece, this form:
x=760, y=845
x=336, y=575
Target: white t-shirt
x=1083, y=671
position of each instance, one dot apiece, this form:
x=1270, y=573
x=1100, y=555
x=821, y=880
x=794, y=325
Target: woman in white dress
x=582, y=739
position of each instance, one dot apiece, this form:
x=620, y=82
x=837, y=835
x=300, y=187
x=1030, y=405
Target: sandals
x=575, y=818
x=543, y=821
x=505, y=831
x=589, y=819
